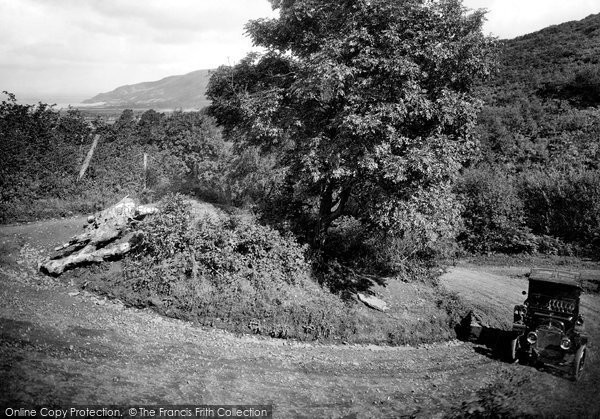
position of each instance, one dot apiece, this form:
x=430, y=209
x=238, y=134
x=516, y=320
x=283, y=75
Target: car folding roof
x=556, y=276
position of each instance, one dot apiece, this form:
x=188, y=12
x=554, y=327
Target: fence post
x=145, y=169
x=89, y=156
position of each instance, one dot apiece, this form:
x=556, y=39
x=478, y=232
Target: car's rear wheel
x=579, y=362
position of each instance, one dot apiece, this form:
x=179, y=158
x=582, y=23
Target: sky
x=56, y=49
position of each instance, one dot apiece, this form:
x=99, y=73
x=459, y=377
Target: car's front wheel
x=579, y=362
x=512, y=351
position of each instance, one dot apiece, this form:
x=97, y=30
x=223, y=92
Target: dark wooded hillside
x=535, y=185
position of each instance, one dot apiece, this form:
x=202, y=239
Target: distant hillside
x=557, y=62
x=542, y=106
x=560, y=62
x=185, y=91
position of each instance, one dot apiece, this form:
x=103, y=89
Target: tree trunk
x=109, y=234
x=330, y=209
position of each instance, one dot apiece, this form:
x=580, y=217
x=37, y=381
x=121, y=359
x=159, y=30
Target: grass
x=305, y=313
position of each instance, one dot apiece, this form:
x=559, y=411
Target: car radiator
x=549, y=342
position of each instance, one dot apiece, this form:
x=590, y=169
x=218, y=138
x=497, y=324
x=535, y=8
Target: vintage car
x=548, y=328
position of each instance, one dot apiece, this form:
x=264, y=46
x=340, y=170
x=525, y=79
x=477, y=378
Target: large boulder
x=372, y=302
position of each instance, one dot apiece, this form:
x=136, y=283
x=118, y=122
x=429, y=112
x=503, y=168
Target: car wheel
x=579, y=362
x=512, y=352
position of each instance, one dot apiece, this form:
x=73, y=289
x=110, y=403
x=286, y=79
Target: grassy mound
x=198, y=263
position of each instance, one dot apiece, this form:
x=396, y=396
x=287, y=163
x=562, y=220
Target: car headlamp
x=565, y=343
x=519, y=314
x=532, y=338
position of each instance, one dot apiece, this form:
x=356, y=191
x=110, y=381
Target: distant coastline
x=61, y=101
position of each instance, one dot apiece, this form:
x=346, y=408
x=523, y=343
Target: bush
x=548, y=211
x=563, y=205
x=549, y=245
x=353, y=252
x=227, y=270
x=494, y=216
x=42, y=150
x=217, y=269
x=40, y=153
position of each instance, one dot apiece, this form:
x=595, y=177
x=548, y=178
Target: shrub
x=563, y=205
x=549, y=245
x=39, y=157
x=494, y=217
x=199, y=264
x=581, y=88
x=353, y=252
x=226, y=269
x=42, y=149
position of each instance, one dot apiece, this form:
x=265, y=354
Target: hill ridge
x=541, y=62
x=178, y=91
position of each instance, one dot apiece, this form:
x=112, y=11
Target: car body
x=548, y=328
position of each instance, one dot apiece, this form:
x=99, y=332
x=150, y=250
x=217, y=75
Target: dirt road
x=60, y=346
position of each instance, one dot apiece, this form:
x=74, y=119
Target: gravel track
x=59, y=345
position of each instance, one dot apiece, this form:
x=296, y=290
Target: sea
x=63, y=102
x=59, y=101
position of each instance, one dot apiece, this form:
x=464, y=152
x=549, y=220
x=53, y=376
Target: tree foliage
x=39, y=148
x=42, y=149
x=493, y=213
x=366, y=106
x=539, y=151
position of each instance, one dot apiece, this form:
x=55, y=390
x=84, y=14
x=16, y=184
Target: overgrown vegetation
x=231, y=270
x=42, y=151
x=534, y=185
x=362, y=151
x=227, y=270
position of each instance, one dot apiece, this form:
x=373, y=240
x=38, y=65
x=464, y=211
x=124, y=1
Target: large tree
x=366, y=103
